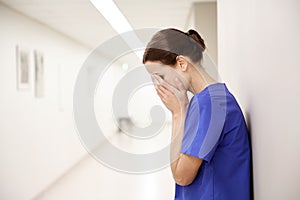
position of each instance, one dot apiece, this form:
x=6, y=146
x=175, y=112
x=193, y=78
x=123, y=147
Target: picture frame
x=22, y=68
x=38, y=74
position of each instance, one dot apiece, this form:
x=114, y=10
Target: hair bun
x=195, y=35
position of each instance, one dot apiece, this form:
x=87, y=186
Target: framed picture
x=38, y=74
x=23, y=68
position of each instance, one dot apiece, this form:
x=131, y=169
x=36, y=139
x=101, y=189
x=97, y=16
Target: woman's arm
x=184, y=167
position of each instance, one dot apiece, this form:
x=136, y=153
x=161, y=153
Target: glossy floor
x=91, y=180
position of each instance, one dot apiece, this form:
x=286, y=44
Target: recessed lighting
x=118, y=21
x=125, y=66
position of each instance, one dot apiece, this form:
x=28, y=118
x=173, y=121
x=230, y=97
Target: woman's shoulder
x=213, y=92
x=214, y=97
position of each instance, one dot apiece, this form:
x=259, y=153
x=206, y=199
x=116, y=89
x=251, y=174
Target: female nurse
x=210, y=151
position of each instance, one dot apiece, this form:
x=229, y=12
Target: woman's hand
x=174, y=98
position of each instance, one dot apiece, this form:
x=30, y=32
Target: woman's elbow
x=183, y=181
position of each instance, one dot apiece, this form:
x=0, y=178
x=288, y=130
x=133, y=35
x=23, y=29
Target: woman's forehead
x=155, y=67
x=153, y=64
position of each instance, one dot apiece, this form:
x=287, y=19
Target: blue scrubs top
x=215, y=131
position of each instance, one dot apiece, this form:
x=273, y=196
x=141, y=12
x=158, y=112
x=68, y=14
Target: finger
x=154, y=80
x=166, y=84
x=158, y=78
x=170, y=87
x=160, y=92
x=156, y=85
x=165, y=90
x=162, y=96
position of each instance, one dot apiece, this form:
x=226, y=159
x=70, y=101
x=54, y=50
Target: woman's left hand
x=174, y=98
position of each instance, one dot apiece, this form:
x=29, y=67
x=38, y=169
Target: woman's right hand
x=174, y=98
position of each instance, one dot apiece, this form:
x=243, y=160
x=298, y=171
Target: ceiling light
x=125, y=66
x=118, y=21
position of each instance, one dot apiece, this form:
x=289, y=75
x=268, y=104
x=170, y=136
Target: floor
x=91, y=180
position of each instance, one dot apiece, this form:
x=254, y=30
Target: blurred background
x=254, y=46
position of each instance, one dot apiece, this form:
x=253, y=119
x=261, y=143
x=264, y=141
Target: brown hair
x=167, y=44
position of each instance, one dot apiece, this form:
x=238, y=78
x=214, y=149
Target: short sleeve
x=202, y=127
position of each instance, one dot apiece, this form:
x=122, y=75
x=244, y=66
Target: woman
x=210, y=151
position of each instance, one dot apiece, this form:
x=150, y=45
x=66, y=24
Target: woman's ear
x=181, y=63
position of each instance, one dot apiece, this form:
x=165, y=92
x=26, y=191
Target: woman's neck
x=200, y=80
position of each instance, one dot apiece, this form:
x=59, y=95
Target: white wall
x=206, y=23
x=203, y=18
x=38, y=141
x=259, y=60
x=38, y=138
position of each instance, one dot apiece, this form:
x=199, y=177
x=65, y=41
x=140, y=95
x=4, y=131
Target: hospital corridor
x=81, y=116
